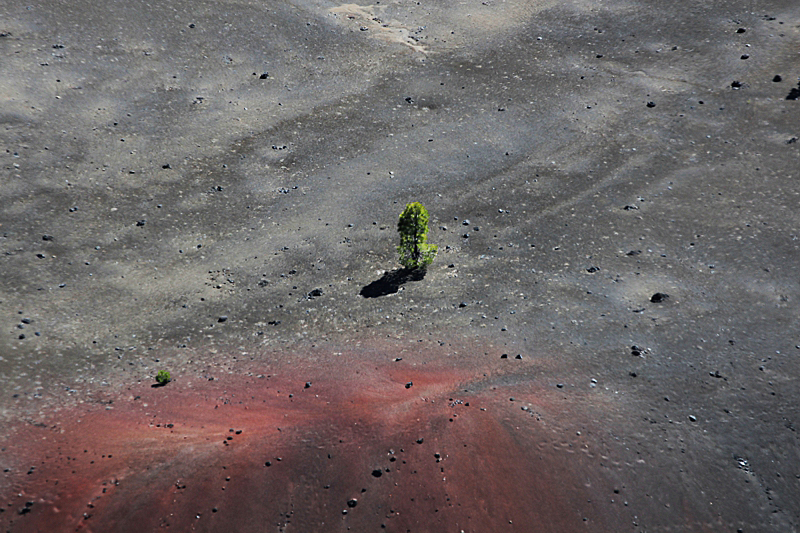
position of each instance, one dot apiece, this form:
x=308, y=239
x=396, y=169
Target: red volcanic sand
x=356, y=451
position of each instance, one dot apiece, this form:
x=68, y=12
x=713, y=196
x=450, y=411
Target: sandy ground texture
x=607, y=342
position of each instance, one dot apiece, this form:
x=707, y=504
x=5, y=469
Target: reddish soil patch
x=394, y=446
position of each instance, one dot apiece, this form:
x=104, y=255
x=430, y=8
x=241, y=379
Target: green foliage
x=163, y=377
x=414, y=250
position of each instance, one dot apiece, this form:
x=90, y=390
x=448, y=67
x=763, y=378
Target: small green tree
x=414, y=250
x=163, y=377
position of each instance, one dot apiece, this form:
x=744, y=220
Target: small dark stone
x=264, y=76
x=26, y=321
x=462, y=304
x=777, y=78
x=409, y=384
x=745, y=56
x=504, y=356
x=560, y=385
x=794, y=94
x=314, y=294
x=191, y=25
x=659, y=297
x=519, y=356
x=592, y=269
x=420, y=440
x=741, y=30
x=352, y=502
x=166, y=166
x=634, y=252
x=651, y=104
x=268, y=463
x=223, y=318
x=377, y=472
x=141, y=222
x=736, y=84
x=632, y=374
x=47, y=237
x=307, y=385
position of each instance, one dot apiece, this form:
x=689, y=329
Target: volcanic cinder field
x=608, y=340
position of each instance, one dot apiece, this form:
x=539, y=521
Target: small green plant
x=163, y=377
x=414, y=250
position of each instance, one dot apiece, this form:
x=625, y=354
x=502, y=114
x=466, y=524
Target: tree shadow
x=391, y=282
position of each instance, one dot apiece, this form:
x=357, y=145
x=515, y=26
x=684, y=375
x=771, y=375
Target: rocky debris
x=794, y=94
x=636, y=351
x=314, y=294
x=659, y=297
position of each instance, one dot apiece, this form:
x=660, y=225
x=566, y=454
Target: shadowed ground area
x=390, y=282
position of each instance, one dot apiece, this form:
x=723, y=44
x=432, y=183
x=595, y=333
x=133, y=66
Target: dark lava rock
x=352, y=502
x=659, y=297
x=736, y=85
x=745, y=56
x=223, y=318
x=307, y=385
x=504, y=356
x=651, y=104
x=409, y=384
x=794, y=94
x=47, y=237
x=592, y=269
x=741, y=30
x=264, y=76
x=377, y=472
x=777, y=78
x=141, y=222
x=314, y=294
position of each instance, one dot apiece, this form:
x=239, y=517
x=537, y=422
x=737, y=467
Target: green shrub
x=414, y=250
x=163, y=377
